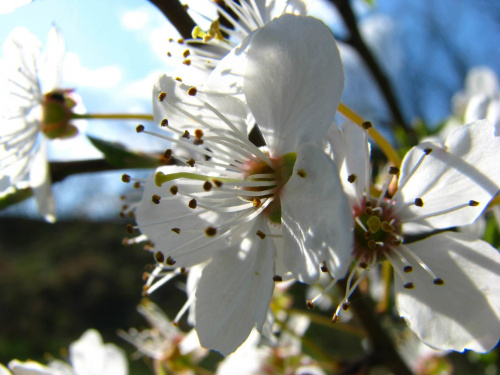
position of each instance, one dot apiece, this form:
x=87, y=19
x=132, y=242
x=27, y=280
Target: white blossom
x=257, y=215
x=447, y=285
x=88, y=356
x=27, y=111
x=163, y=339
x=203, y=52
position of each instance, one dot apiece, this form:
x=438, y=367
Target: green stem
x=158, y=368
x=113, y=116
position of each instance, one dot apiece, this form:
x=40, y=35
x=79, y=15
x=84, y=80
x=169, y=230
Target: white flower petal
x=193, y=280
x=347, y=150
x=21, y=51
x=61, y=368
x=268, y=9
x=4, y=370
x=316, y=217
x=248, y=360
x=30, y=368
x=268, y=337
x=309, y=370
x=184, y=111
x=476, y=108
x=173, y=212
x=465, y=169
x=493, y=114
x=89, y=356
x=227, y=77
x=293, y=81
x=464, y=313
x=52, y=59
x=41, y=184
x=481, y=80
x=190, y=343
x=476, y=229
x=234, y=293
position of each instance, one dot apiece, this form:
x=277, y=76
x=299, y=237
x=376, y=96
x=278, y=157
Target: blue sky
x=116, y=48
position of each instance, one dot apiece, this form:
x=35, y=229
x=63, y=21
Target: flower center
x=281, y=170
x=56, y=114
x=377, y=229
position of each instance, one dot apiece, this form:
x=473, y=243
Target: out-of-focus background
x=58, y=280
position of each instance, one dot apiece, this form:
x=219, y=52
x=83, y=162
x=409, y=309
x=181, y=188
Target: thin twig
x=356, y=41
x=177, y=15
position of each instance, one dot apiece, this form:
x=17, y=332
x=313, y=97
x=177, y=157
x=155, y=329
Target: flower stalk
x=113, y=116
x=385, y=146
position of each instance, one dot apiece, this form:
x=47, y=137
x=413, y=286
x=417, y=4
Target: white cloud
x=8, y=6
x=77, y=75
x=135, y=19
x=142, y=89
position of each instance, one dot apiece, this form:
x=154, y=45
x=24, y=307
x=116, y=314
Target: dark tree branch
x=356, y=41
x=383, y=351
x=60, y=170
x=177, y=15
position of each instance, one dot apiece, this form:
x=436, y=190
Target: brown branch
x=357, y=42
x=60, y=170
x=177, y=15
x=383, y=351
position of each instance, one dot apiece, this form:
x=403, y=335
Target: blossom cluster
x=269, y=181
x=249, y=217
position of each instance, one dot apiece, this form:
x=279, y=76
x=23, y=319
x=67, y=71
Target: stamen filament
x=385, y=146
x=328, y=287
x=161, y=178
x=437, y=213
x=194, y=213
x=360, y=223
x=169, y=276
x=367, y=169
x=385, y=187
x=407, y=251
x=184, y=308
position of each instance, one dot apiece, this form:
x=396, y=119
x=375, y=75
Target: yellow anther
x=373, y=224
x=197, y=32
x=386, y=227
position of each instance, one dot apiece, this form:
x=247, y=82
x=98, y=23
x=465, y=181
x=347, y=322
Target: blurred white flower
x=284, y=357
x=420, y=358
x=447, y=285
x=26, y=112
x=88, y=356
x=480, y=98
x=164, y=341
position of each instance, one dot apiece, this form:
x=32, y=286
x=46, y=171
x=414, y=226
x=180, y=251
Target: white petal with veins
x=316, y=218
x=291, y=101
x=464, y=313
